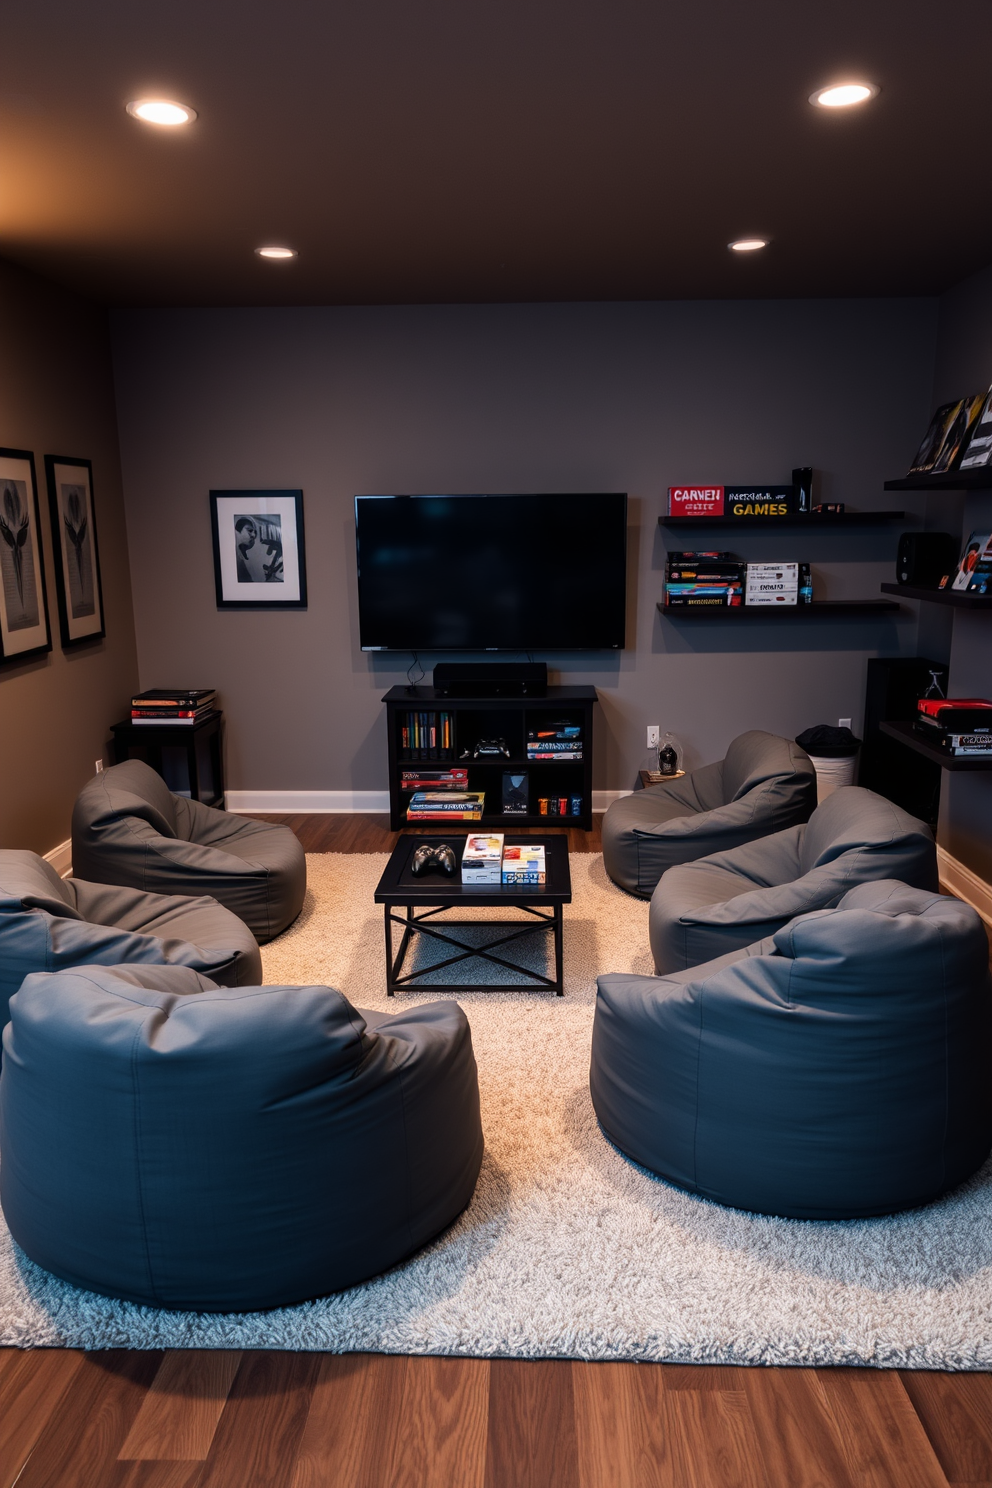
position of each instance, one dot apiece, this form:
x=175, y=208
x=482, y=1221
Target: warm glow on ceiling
x=747, y=245
x=161, y=111
x=274, y=251
x=843, y=95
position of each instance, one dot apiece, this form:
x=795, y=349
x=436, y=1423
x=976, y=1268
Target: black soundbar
x=491, y=679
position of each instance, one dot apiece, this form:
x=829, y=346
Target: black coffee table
x=425, y=899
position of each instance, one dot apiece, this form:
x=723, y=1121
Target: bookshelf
x=880, y=608
x=956, y=598
x=809, y=521
x=953, y=480
x=475, y=718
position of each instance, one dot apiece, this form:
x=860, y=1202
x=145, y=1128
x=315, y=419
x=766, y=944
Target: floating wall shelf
x=954, y=480
x=819, y=520
x=953, y=597
x=879, y=608
x=908, y=734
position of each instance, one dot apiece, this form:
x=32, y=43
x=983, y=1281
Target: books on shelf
x=482, y=859
x=556, y=741
x=948, y=440
x=426, y=734
x=778, y=583
x=704, y=578
x=455, y=778
x=166, y=705
x=961, y=726
x=524, y=865
x=446, y=806
x=974, y=570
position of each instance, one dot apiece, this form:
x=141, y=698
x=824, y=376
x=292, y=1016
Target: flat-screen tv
x=492, y=573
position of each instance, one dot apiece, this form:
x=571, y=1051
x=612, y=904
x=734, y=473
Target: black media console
x=428, y=730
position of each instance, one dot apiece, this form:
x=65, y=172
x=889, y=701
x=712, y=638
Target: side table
x=187, y=756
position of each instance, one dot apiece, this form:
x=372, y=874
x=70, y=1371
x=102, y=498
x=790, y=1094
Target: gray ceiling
x=467, y=150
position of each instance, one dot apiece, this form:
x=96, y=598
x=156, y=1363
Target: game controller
x=429, y=859
x=487, y=747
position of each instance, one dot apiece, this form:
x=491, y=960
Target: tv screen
x=492, y=573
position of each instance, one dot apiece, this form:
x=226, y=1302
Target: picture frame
x=24, y=626
x=259, y=550
x=77, y=554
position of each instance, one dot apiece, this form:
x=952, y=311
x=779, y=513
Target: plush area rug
x=568, y=1249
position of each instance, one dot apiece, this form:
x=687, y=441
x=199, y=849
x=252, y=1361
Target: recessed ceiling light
x=747, y=245
x=161, y=111
x=843, y=95
x=274, y=251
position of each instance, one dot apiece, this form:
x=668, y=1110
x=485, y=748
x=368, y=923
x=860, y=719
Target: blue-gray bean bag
x=184, y=1145
x=838, y=1069
x=731, y=899
x=48, y=923
x=763, y=785
x=129, y=829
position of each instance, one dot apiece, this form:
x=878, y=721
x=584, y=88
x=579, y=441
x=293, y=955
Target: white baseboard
x=61, y=858
x=965, y=884
x=602, y=799
x=310, y=801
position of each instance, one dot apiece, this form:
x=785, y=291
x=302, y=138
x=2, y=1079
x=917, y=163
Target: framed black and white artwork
x=259, y=557
x=77, y=558
x=24, y=629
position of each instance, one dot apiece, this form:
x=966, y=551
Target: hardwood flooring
x=223, y=1419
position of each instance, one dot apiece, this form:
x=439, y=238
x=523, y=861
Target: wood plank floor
x=223, y=1419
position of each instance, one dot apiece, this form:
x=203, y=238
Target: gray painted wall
x=57, y=397
x=512, y=398
x=964, y=365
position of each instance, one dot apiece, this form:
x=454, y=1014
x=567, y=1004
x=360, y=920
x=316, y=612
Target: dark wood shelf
x=957, y=598
x=908, y=734
x=817, y=520
x=954, y=480
x=876, y=607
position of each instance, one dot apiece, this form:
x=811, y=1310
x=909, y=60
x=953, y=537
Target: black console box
x=491, y=679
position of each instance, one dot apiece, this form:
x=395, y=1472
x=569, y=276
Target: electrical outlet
x=98, y=767
x=843, y=723
x=654, y=734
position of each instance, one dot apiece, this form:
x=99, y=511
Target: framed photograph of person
x=77, y=558
x=24, y=630
x=259, y=557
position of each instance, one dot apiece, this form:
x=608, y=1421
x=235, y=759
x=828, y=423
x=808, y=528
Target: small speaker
x=925, y=557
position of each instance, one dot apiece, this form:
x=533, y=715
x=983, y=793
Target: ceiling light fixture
x=747, y=245
x=843, y=95
x=274, y=251
x=161, y=111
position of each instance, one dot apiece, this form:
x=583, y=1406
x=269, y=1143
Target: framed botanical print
x=24, y=627
x=77, y=558
x=259, y=557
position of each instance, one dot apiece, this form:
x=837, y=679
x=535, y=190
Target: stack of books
x=427, y=735
x=960, y=726
x=446, y=805
x=523, y=865
x=482, y=860
x=698, y=579
x=778, y=584
x=171, y=705
x=454, y=779
x=559, y=741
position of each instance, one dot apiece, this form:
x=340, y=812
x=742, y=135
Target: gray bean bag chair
x=838, y=1069
x=764, y=784
x=49, y=923
x=223, y=1150
x=731, y=899
x=128, y=828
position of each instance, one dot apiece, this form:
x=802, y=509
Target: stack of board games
x=455, y=779
x=960, y=726
x=523, y=865
x=171, y=705
x=703, y=579
x=778, y=584
x=559, y=741
x=446, y=805
x=482, y=860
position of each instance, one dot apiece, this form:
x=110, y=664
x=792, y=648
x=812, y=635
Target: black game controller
x=429, y=859
x=488, y=747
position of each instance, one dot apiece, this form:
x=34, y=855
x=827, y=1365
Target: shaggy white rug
x=568, y=1249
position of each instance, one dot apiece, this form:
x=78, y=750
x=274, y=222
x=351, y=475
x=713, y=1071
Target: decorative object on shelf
x=24, y=628
x=833, y=752
x=515, y=802
x=259, y=556
x=669, y=757
x=77, y=558
x=949, y=432
x=979, y=450
x=829, y=509
x=559, y=805
x=802, y=484
x=926, y=559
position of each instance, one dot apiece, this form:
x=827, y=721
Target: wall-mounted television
x=492, y=573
